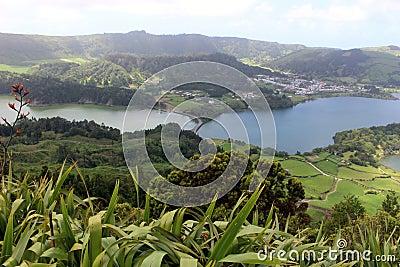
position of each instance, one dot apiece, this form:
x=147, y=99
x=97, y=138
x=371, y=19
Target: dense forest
x=367, y=145
x=50, y=90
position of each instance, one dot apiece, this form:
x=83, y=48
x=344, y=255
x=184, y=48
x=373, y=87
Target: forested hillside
x=366, y=146
x=16, y=49
x=356, y=65
x=51, y=90
x=111, y=80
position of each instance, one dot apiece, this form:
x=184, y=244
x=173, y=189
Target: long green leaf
x=136, y=183
x=211, y=207
x=167, y=220
x=154, y=259
x=60, y=181
x=20, y=248
x=187, y=262
x=55, y=253
x=6, y=250
x=113, y=201
x=250, y=258
x=178, y=222
x=222, y=245
x=109, y=218
x=67, y=225
x=146, y=216
x=95, y=236
x=42, y=265
x=16, y=204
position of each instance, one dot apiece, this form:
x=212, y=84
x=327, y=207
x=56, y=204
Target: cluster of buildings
x=301, y=86
x=184, y=93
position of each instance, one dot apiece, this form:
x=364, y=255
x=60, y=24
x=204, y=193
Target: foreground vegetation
x=44, y=224
x=61, y=218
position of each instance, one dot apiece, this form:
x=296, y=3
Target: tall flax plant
x=20, y=95
x=373, y=240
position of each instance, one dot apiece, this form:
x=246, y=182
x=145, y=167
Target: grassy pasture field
x=315, y=186
x=327, y=166
x=16, y=69
x=367, y=183
x=299, y=168
x=344, y=188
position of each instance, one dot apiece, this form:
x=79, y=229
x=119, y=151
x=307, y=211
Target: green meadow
x=370, y=184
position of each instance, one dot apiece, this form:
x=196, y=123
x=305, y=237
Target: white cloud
x=176, y=7
x=336, y=13
x=348, y=11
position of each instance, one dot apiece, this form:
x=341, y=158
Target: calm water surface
x=301, y=128
x=313, y=124
x=392, y=162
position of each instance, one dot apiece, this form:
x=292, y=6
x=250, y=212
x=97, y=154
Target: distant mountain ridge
x=370, y=65
x=18, y=48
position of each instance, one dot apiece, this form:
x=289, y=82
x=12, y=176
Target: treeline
x=367, y=142
x=33, y=129
x=49, y=90
x=155, y=64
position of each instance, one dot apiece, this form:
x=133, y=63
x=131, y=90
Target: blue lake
x=312, y=124
x=300, y=128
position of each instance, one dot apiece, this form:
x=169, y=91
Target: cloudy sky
x=336, y=23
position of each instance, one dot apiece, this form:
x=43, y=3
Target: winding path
x=324, y=195
x=318, y=169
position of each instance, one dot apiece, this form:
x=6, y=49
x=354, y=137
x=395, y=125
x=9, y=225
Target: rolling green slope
x=356, y=65
x=18, y=49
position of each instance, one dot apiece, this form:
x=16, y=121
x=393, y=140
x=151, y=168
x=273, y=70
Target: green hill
x=355, y=65
x=390, y=49
x=18, y=49
x=150, y=53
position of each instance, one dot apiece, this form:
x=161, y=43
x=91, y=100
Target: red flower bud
x=28, y=101
x=12, y=106
x=26, y=92
x=16, y=97
x=18, y=131
x=24, y=115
